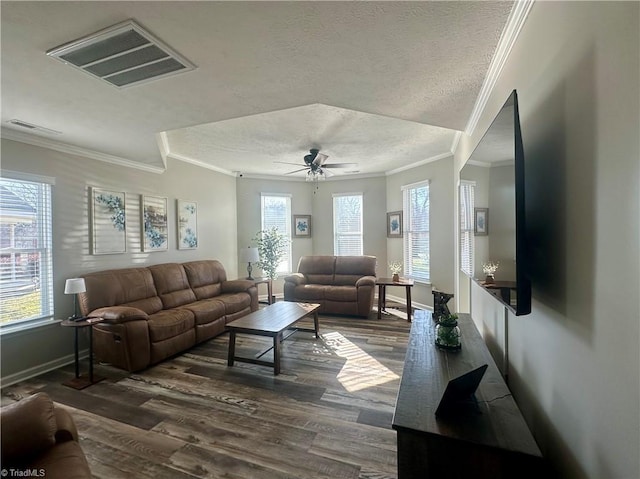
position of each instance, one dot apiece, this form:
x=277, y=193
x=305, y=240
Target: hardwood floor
x=327, y=415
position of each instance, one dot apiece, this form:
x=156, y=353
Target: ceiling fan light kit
x=315, y=166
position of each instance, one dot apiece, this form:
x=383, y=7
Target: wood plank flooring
x=327, y=415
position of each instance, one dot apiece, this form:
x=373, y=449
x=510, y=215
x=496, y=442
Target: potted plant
x=448, y=333
x=395, y=267
x=489, y=269
x=272, y=248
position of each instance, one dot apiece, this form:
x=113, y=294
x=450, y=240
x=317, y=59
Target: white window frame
x=466, y=251
x=337, y=234
x=44, y=241
x=409, y=234
x=285, y=266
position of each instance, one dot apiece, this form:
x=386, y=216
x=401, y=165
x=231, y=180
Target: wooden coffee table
x=271, y=321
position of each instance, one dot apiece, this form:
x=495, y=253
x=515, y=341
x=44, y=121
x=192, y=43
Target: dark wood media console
x=488, y=440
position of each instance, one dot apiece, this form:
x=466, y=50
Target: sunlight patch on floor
x=361, y=370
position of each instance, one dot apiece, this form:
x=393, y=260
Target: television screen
x=496, y=171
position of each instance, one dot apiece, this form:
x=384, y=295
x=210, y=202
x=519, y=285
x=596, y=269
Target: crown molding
x=441, y=156
x=199, y=163
x=77, y=151
x=514, y=25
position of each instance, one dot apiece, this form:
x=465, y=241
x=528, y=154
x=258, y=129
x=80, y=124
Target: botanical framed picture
x=187, y=214
x=155, y=235
x=394, y=224
x=108, y=221
x=481, y=222
x=302, y=226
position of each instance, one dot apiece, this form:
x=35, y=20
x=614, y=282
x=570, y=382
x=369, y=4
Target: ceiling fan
x=315, y=165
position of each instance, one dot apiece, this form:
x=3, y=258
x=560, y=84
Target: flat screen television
x=496, y=168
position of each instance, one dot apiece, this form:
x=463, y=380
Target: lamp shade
x=74, y=286
x=249, y=255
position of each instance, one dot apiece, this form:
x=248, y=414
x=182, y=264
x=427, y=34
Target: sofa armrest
x=366, y=281
x=28, y=429
x=67, y=430
x=119, y=314
x=236, y=285
x=296, y=278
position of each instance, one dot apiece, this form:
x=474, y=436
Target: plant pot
x=489, y=278
x=395, y=277
x=448, y=336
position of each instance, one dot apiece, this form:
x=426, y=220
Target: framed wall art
x=187, y=213
x=481, y=223
x=155, y=235
x=302, y=226
x=108, y=221
x=394, y=224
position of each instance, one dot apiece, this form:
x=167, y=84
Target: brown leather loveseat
x=152, y=313
x=40, y=440
x=340, y=284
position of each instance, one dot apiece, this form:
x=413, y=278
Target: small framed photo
x=481, y=223
x=154, y=223
x=394, y=224
x=302, y=226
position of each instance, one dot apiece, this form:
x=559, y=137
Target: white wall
x=574, y=362
x=215, y=194
x=306, y=199
x=442, y=191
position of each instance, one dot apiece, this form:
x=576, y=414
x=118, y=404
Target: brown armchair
x=40, y=437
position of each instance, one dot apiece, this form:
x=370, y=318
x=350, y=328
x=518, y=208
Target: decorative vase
x=395, y=277
x=448, y=335
x=489, y=278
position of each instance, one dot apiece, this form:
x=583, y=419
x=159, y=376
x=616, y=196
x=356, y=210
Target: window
x=467, y=193
x=416, y=231
x=347, y=225
x=276, y=212
x=26, y=280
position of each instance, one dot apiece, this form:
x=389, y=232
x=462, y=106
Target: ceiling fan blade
x=320, y=159
x=288, y=163
x=296, y=171
x=339, y=165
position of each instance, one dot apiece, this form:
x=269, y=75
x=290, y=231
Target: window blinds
x=347, y=225
x=467, y=194
x=26, y=278
x=276, y=212
x=416, y=231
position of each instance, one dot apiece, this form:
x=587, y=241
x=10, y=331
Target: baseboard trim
x=41, y=369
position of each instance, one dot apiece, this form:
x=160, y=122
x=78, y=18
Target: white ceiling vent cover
x=122, y=55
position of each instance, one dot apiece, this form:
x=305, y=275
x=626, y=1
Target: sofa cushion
x=206, y=310
x=235, y=302
x=317, y=269
x=172, y=285
x=116, y=287
x=306, y=292
x=341, y=293
x=168, y=323
x=28, y=429
x=205, y=277
x=356, y=265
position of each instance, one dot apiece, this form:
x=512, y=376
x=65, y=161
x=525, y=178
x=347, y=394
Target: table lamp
x=74, y=286
x=249, y=255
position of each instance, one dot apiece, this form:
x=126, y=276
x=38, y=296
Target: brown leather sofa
x=340, y=284
x=39, y=439
x=152, y=313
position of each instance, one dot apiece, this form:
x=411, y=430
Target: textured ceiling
x=367, y=82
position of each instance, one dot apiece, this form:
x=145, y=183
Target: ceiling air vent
x=32, y=127
x=122, y=55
